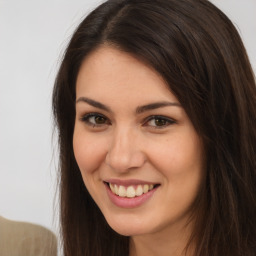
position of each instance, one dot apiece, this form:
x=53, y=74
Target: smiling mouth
x=132, y=190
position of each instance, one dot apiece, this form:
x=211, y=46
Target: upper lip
x=129, y=182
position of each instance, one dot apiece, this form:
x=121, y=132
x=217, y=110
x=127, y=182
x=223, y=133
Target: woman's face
x=139, y=154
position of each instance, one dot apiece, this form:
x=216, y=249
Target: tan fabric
x=26, y=239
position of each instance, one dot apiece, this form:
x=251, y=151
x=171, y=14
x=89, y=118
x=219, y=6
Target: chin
x=131, y=227
x=127, y=230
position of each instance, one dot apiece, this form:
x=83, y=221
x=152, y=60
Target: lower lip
x=126, y=202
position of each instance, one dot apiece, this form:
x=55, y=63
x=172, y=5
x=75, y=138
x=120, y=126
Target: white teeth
x=115, y=189
x=130, y=191
x=139, y=190
x=122, y=191
x=112, y=187
x=145, y=188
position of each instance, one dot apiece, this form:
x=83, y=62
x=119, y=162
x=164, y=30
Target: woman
x=155, y=106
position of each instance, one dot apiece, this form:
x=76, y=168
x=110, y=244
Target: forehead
x=108, y=71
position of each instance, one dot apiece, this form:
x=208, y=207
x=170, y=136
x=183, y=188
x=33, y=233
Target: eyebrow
x=156, y=105
x=139, y=109
x=93, y=103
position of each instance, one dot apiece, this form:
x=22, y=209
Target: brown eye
x=159, y=122
x=95, y=119
x=99, y=120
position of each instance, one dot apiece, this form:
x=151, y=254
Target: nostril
x=123, y=162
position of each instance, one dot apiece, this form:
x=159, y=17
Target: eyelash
x=86, y=118
x=167, y=121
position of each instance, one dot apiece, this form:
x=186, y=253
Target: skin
x=124, y=144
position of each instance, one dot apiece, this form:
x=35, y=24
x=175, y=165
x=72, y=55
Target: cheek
x=181, y=163
x=180, y=154
x=89, y=153
x=188, y=154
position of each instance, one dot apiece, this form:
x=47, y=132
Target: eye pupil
x=100, y=120
x=160, y=122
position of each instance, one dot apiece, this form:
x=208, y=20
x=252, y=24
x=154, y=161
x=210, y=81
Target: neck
x=169, y=242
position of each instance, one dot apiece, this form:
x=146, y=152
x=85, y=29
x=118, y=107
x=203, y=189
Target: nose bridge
x=124, y=150
x=121, y=139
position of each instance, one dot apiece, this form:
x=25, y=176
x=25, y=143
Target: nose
x=125, y=151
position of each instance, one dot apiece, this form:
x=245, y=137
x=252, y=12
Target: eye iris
x=160, y=122
x=99, y=120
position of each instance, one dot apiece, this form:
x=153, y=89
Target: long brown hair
x=199, y=53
